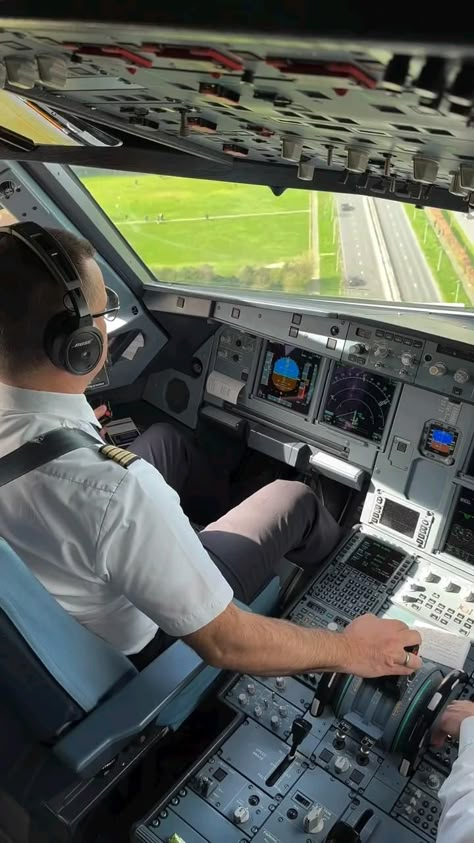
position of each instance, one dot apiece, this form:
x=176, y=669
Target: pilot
x=113, y=544
x=457, y=793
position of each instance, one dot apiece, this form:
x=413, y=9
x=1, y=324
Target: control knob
x=381, y=351
x=251, y=689
x=280, y=682
x=274, y=722
x=241, y=815
x=258, y=711
x=342, y=764
x=461, y=376
x=358, y=348
x=408, y=358
x=242, y=699
x=433, y=781
x=437, y=370
x=313, y=822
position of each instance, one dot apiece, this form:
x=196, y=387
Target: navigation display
x=460, y=538
x=358, y=402
x=288, y=376
x=375, y=559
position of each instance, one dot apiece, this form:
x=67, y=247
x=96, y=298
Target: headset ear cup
x=56, y=333
x=74, y=348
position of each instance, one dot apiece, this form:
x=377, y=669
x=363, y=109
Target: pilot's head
x=30, y=297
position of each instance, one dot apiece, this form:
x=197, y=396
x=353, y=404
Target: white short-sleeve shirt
x=112, y=545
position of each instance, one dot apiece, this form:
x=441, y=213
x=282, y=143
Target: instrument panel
x=323, y=758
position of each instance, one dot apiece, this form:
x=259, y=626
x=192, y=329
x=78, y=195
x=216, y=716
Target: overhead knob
x=251, y=689
x=408, y=358
x=241, y=815
x=437, y=370
x=258, y=711
x=461, y=376
x=433, y=781
x=358, y=348
x=342, y=764
x=313, y=822
x=381, y=351
x=274, y=722
x=242, y=699
x=280, y=682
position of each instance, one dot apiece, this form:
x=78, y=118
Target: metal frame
x=64, y=188
x=147, y=157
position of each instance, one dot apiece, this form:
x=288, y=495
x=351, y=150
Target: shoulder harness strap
x=118, y=455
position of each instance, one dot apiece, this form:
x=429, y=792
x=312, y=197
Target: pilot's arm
x=457, y=793
x=147, y=550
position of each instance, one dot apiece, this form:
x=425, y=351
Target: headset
x=71, y=340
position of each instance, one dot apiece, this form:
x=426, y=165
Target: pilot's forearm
x=250, y=643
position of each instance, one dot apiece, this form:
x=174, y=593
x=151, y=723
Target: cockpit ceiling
x=387, y=120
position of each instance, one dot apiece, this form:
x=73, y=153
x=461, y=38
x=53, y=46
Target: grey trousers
x=285, y=518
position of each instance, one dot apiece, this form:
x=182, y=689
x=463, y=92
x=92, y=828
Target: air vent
x=389, y=109
x=412, y=140
x=346, y=120
x=315, y=95
x=405, y=128
x=440, y=132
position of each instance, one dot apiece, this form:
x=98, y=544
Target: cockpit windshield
x=241, y=236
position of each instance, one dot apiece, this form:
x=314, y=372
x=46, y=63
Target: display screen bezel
x=275, y=405
x=350, y=434
x=406, y=508
x=449, y=522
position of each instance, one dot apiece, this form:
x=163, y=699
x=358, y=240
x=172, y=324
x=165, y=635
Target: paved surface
x=467, y=225
x=412, y=273
x=360, y=253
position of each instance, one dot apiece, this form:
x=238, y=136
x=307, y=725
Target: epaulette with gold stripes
x=119, y=455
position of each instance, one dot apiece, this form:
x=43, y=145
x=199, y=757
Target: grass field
x=446, y=276
x=329, y=266
x=225, y=226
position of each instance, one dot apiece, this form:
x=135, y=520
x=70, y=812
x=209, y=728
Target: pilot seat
x=76, y=715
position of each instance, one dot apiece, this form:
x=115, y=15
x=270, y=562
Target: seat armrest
x=108, y=728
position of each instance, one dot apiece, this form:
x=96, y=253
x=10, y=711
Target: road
x=467, y=225
x=360, y=252
x=412, y=273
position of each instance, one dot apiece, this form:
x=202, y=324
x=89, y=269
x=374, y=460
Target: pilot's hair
x=30, y=297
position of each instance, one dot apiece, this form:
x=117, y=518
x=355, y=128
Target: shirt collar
x=74, y=408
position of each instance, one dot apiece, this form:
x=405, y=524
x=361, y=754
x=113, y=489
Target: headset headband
x=56, y=260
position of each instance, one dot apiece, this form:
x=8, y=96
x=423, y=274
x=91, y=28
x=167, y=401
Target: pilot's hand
x=377, y=647
x=101, y=412
x=450, y=721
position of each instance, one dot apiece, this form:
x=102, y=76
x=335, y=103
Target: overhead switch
x=292, y=149
x=21, y=72
x=305, y=170
x=357, y=160
x=431, y=81
x=396, y=73
x=425, y=170
x=52, y=71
